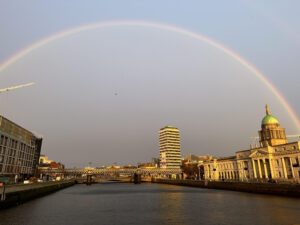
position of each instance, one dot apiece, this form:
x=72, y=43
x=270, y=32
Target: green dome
x=269, y=119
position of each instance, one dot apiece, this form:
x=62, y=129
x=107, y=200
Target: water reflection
x=282, y=210
x=172, y=205
x=149, y=204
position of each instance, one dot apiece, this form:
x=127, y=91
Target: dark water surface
x=145, y=204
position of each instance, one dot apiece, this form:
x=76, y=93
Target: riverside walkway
x=18, y=193
x=23, y=187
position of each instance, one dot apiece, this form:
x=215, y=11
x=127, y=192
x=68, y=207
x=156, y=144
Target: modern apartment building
x=19, y=151
x=169, y=145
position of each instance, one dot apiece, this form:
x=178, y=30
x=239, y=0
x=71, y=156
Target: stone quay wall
x=291, y=190
x=19, y=193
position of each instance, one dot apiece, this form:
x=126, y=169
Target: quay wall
x=17, y=194
x=291, y=190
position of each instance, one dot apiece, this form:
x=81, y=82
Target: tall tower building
x=271, y=133
x=169, y=147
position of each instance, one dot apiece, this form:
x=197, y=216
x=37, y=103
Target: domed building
x=271, y=133
x=275, y=158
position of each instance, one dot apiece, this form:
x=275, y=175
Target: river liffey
x=145, y=204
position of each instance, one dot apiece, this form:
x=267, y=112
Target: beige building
x=45, y=160
x=275, y=158
x=169, y=147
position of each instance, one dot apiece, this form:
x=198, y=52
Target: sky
x=102, y=95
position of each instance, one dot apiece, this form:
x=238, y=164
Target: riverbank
x=19, y=193
x=291, y=190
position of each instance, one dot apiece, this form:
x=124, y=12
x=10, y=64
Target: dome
x=269, y=119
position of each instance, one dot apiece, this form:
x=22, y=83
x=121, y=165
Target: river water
x=145, y=204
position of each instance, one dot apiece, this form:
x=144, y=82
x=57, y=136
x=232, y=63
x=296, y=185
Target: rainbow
x=167, y=27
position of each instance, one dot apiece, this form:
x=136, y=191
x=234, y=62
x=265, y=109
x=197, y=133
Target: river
x=145, y=204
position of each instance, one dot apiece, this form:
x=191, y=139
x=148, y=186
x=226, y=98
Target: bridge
x=99, y=174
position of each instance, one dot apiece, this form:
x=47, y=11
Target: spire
x=267, y=110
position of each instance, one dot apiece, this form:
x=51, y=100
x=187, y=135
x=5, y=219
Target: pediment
x=258, y=153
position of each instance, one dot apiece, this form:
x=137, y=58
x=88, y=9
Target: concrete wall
x=18, y=194
x=292, y=190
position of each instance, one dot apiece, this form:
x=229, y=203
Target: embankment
x=292, y=190
x=19, y=193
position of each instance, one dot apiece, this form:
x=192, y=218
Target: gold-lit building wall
x=275, y=158
x=169, y=144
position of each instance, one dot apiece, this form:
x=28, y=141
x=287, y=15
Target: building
x=44, y=160
x=191, y=158
x=274, y=158
x=146, y=166
x=155, y=162
x=45, y=163
x=19, y=151
x=169, y=146
x=190, y=168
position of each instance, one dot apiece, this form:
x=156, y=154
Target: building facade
x=169, y=147
x=44, y=160
x=274, y=158
x=19, y=151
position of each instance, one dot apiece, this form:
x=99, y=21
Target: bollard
x=3, y=195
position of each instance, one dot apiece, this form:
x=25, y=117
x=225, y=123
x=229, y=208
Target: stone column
x=265, y=167
x=259, y=168
x=292, y=169
x=254, y=168
x=271, y=168
x=284, y=168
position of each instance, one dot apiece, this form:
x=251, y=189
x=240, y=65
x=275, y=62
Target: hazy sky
x=102, y=95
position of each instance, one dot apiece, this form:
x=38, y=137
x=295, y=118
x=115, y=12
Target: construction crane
x=287, y=136
x=16, y=87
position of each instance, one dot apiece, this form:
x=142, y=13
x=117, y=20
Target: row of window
x=285, y=148
x=15, y=156
x=13, y=153
x=15, y=169
x=15, y=144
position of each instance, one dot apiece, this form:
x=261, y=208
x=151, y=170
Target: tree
x=190, y=169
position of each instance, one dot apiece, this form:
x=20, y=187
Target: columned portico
x=254, y=168
x=292, y=169
x=259, y=168
x=274, y=159
x=284, y=168
x=271, y=168
x=265, y=167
